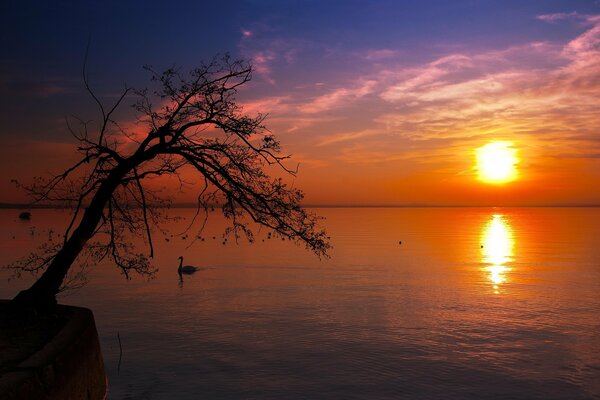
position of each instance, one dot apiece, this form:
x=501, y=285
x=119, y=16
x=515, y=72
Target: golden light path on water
x=498, y=247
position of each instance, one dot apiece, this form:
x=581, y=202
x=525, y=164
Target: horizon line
x=8, y=206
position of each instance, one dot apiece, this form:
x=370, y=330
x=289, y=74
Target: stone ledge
x=69, y=366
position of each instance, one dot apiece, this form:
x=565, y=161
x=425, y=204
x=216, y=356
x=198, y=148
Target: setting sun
x=496, y=162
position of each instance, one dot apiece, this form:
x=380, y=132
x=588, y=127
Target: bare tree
x=191, y=121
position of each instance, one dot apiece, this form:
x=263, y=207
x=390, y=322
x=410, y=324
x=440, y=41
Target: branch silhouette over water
x=190, y=121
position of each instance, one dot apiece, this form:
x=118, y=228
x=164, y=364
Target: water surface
x=474, y=303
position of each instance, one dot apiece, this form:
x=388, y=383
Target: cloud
x=487, y=85
x=558, y=16
x=493, y=93
x=274, y=105
x=267, y=51
x=338, y=98
x=261, y=62
x=412, y=79
x=585, y=19
x=346, y=136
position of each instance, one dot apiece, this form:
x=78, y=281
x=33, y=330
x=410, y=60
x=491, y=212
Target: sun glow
x=496, y=162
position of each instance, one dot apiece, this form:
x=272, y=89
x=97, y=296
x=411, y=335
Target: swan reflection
x=497, y=249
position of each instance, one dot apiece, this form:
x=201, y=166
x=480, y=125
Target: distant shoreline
x=17, y=206
x=20, y=206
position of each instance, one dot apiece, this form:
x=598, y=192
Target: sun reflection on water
x=497, y=250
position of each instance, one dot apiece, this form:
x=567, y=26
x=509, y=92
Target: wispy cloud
x=558, y=16
x=492, y=93
x=411, y=79
x=336, y=138
x=275, y=105
x=338, y=98
x=268, y=52
x=262, y=65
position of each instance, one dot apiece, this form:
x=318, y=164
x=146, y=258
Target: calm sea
x=475, y=303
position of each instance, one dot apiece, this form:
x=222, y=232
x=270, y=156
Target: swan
x=186, y=269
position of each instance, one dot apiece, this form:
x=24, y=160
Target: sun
x=497, y=162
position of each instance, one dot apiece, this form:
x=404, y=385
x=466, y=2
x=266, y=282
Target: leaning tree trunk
x=42, y=293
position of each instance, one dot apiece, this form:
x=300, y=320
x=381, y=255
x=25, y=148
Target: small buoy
x=400, y=242
x=481, y=247
x=25, y=215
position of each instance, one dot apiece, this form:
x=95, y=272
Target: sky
x=378, y=102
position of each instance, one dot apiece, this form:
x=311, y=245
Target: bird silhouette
x=186, y=269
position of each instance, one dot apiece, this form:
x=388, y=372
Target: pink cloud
x=266, y=52
x=491, y=92
x=584, y=51
x=261, y=62
x=419, y=77
x=338, y=98
x=275, y=106
x=486, y=85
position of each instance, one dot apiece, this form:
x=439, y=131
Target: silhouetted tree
x=191, y=121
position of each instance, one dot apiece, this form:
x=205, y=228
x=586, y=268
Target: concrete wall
x=70, y=366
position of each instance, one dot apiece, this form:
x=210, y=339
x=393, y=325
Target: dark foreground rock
x=56, y=356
